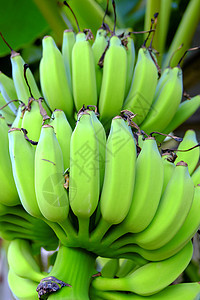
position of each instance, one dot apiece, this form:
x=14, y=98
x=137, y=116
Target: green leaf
x=21, y=23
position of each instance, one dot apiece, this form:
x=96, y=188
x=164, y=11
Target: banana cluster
x=98, y=181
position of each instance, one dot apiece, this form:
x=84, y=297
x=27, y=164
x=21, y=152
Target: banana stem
x=100, y=230
x=83, y=232
x=74, y=266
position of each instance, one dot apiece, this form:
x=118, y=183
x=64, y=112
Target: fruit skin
x=190, y=157
x=168, y=171
x=143, y=87
x=196, y=176
x=184, y=111
x=179, y=291
x=119, y=176
x=53, y=78
x=149, y=174
x=67, y=46
x=22, y=262
x=23, y=289
x=98, y=48
x=18, y=119
x=83, y=73
x=84, y=179
x=22, y=155
x=101, y=138
x=130, y=50
x=150, y=278
x=63, y=133
x=113, y=82
x=6, y=112
x=21, y=87
x=32, y=120
x=8, y=191
x=166, y=104
x=8, y=92
x=172, y=210
x=52, y=197
x=180, y=239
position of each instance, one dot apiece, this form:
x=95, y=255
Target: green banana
x=190, y=157
x=8, y=191
x=196, y=176
x=119, y=178
x=98, y=48
x=150, y=278
x=114, y=81
x=130, y=63
x=52, y=197
x=189, y=291
x=32, y=120
x=6, y=112
x=22, y=262
x=84, y=178
x=23, y=289
x=110, y=268
x=63, y=133
x=125, y=267
x=21, y=86
x=22, y=156
x=83, y=72
x=163, y=108
x=18, y=119
x=143, y=87
x=168, y=171
x=146, y=194
x=67, y=46
x=53, y=78
x=172, y=210
x=180, y=239
x=101, y=138
x=8, y=92
x=185, y=110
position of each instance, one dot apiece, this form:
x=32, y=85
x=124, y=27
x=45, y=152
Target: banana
x=8, y=191
x=130, y=63
x=101, y=138
x=119, y=179
x=98, y=48
x=180, y=239
x=190, y=157
x=18, y=119
x=185, y=110
x=110, y=268
x=21, y=86
x=172, y=210
x=32, y=120
x=22, y=156
x=113, y=82
x=8, y=92
x=22, y=262
x=125, y=267
x=53, y=78
x=147, y=189
x=6, y=112
x=83, y=72
x=84, y=179
x=189, y=291
x=150, y=278
x=52, y=198
x=23, y=289
x=67, y=46
x=163, y=108
x=196, y=176
x=63, y=133
x=146, y=194
x=168, y=171
x=143, y=87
